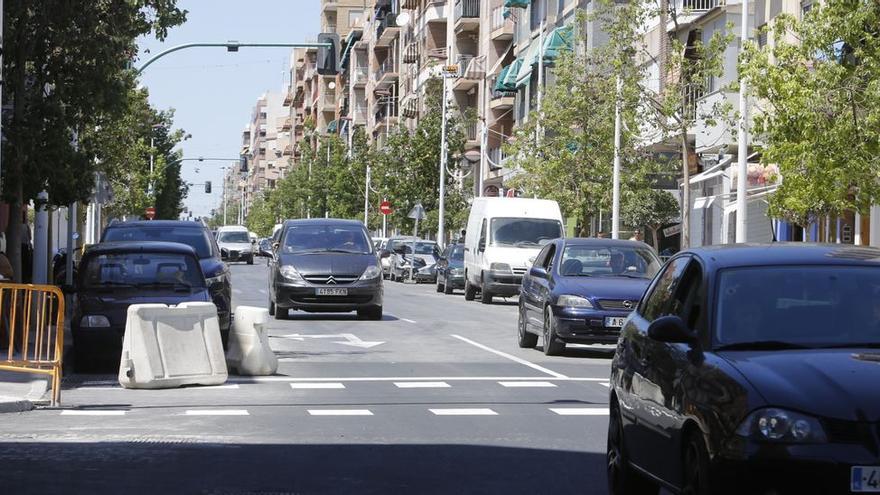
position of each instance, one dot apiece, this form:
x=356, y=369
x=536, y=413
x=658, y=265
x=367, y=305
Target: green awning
x=500, y=84
x=331, y=127
x=506, y=13
x=517, y=3
x=525, y=71
x=560, y=39
x=512, y=70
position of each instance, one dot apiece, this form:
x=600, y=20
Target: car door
x=635, y=384
x=529, y=290
x=543, y=286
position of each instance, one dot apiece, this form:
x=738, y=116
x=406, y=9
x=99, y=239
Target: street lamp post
x=615, y=186
x=742, y=138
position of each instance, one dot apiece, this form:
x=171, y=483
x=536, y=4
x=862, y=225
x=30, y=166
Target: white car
x=235, y=244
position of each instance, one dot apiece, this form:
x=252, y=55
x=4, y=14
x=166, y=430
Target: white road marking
x=421, y=384
x=526, y=384
x=463, y=412
x=93, y=412
x=316, y=385
x=340, y=412
x=217, y=412
x=605, y=384
x=510, y=356
x=407, y=320
x=580, y=411
x=263, y=291
x=284, y=379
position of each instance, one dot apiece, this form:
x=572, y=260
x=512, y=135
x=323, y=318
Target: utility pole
x=742, y=137
x=615, y=189
x=442, y=203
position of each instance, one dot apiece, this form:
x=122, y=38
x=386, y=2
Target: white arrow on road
x=350, y=339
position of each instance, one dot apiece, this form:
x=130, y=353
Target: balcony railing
x=498, y=19
x=329, y=100
x=360, y=114
x=386, y=67
x=470, y=131
x=467, y=8
x=386, y=109
x=360, y=75
x=696, y=6
x=471, y=67
x=496, y=158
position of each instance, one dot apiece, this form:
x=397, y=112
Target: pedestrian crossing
x=435, y=411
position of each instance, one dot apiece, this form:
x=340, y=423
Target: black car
x=325, y=265
x=751, y=368
x=450, y=269
x=264, y=248
x=581, y=290
x=114, y=275
x=195, y=235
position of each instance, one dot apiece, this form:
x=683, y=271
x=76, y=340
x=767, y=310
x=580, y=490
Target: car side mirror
x=671, y=329
x=538, y=272
x=275, y=246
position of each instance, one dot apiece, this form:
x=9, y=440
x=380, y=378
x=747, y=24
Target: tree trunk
x=686, y=193
x=655, y=236
x=664, y=43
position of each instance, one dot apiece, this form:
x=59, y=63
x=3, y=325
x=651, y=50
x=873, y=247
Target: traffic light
x=207, y=187
x=328, y=57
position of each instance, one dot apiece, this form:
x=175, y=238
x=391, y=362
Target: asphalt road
x=435, y=398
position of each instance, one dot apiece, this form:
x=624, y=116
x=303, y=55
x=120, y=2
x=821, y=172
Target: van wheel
x=470, y=292
x=280, y=313
x=485, y=296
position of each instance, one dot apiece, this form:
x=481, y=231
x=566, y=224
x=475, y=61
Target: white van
x=235, y=244
x=503, y=237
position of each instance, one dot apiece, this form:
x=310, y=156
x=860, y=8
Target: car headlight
x=500, y=267
x=290, y=273
x=371, y=273
x=94, y=321
x=779, y=425
x=456, y=271
x=209, y=281
x=570, y=301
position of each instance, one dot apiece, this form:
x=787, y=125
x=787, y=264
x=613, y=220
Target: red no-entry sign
x=385, y=207
x=150, y=212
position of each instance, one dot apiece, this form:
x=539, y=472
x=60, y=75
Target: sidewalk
x=22, y=391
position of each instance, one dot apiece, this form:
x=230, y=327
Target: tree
x=651, y=208
x=817, y=87
x=66, y=63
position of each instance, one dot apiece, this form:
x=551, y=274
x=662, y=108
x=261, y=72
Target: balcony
x=359, y=77
x=467, y=15
x=386, y=114
x=470, y=70
x=311, y=70
x=502, y=29
x=386, y=30
x=288, y=98
x=329, y=103
x=411, y=53
x=359, y=116
x=387, y=74
x=472, y=137
x=690, y=10
x=329, y=6
x=284, y=123
x=288, y=150
x=502, y=100
x=435, y=11
x=409, y=4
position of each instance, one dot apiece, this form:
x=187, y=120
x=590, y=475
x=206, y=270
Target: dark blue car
x=581, y=290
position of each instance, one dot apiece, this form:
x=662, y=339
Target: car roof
x=156, y=224
x=600, y=242
x=323, y=221
x=786, y=253
x=140, y=247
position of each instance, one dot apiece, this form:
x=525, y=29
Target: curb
x=13, y=405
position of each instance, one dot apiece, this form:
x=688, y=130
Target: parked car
x=236, y=244
x=450, y=269
x=503, y=237
x=325, y=265
x=426, y=254
x=195, y=235
x=581, y=290
x=426, y=274
x=751, y=369
x=264, y=247
x=115, y=275
x=386, y=254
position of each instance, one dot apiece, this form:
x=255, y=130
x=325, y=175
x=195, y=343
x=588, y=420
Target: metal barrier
x=32, y=331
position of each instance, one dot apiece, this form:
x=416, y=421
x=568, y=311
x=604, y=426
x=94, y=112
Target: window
x=656, y=303
x=806, y=6
x=542, y=256
x=615, y=261
x=354, y=17
x=482, y=242
x=195, y=237
x=142, y=269
x=524, y=232
x=231, y=237
x=548, y=262
x=687, y=302
x=538, y=13
x=762, y=35
x=302, y=239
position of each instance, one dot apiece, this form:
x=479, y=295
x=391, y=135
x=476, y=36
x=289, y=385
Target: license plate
x=865, y=479
x=332, y=292
x=614, y=321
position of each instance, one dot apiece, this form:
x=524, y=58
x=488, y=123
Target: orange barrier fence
x=32, y=331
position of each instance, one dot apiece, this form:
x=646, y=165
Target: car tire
x=470, y=292
x=485, y=294
x=552, y=345
x=370, y=313
x=447, y=287
x=440, y=287
x=622, y=479
x=250, y=260
x=695, y=464
x=281, y=313
x=526, y=340
x=83, y=359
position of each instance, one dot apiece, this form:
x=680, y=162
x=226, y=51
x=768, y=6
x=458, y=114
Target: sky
x=212, y=91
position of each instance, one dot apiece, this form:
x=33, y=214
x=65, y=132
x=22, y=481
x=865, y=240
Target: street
x=435, y=398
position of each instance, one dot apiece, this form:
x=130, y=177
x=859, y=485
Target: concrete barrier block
x=169, y=346
x=249, y=351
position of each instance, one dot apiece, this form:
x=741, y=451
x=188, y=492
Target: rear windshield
x=524, y=232
x=233, y=237
x=457, y=253
x=142, y=269
x=308, y=239
x=421, y=248
x=195, y=237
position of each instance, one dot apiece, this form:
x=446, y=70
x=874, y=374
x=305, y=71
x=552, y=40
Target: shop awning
x=525, y=71
x=331, y=127
x=517, y=3
x=512, y=71
x=501, y=83
x=560, y=39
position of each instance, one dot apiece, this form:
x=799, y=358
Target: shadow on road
x=300, y=316
x=168, y=465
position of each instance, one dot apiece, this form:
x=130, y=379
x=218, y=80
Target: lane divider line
x=421, y=384
x=536, y=384
x=407, y=320
x=510, y=357
x=580, y=411
x=93, y=412
x=324, y=385
x=340, y=412
x=464, y=412
x=284, y=379
x=605, y=384
x=216, y=412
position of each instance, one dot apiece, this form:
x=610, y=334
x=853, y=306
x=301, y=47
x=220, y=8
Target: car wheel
x=447, y=287
x=552, y=345
x=622, y=480
x=280, y=313
x=271, y=307
x=83, y=359
x=440, y=287
x=485, y=295
x=370, y=313
x=526, y=340
x=695, y=461
x=470, y=292
x=250, y=260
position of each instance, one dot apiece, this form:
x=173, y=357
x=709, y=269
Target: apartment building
x=263, y=142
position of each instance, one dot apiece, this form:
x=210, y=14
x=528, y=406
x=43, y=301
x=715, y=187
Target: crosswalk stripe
x=580, y=411
x=421, y=384
x=526, y=384
x=340, y=412
x=464, y=412
x=332, y=385
x=93, y=412
x=217, y=412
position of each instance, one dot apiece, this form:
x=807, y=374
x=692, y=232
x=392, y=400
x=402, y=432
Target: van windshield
x=524, y=232
x=234, y=236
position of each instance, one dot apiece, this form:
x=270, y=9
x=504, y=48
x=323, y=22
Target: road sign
x=417, y=212
x=150, y=212
x=385, y=208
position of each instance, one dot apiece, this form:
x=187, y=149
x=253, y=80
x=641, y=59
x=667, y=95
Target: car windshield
x=195, y=237
x=233, y=237
x=457, y=253
x=806, y=306
x=142, y=269
x=524, y=232
x=306, y=239
x=592, y=261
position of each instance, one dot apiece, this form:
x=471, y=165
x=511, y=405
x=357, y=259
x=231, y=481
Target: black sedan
x=751, y=369
x=115, y=275
x=450, y=269
x=581, y=290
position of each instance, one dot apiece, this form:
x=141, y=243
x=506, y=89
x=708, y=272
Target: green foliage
x=819, y=87
x=261, y=218
x=651, y=208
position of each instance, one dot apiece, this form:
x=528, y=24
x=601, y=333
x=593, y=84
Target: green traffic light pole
x=231, y=46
